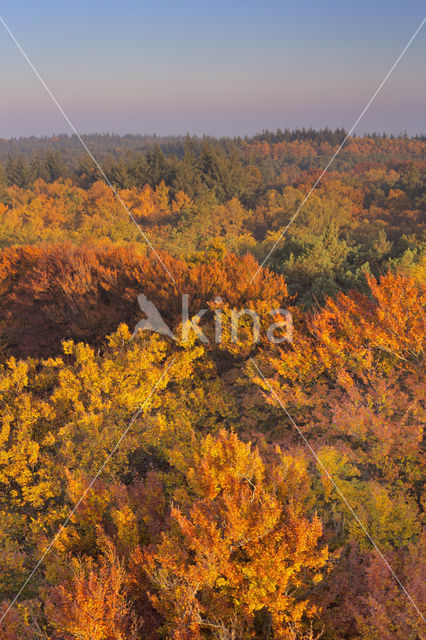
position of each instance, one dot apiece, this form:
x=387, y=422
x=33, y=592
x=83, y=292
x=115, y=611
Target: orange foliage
x=91, y=603
x=235, y=554
x=56, y=292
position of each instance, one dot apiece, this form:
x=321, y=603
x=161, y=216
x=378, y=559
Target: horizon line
x=304, y=129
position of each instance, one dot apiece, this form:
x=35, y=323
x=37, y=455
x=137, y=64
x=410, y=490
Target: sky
x=211, y=66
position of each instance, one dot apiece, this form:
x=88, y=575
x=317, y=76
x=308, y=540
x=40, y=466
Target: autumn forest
x=155, y=488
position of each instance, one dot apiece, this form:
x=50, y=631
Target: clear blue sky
x=211, y=66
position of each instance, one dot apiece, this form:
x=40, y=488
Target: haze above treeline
x=107, y=141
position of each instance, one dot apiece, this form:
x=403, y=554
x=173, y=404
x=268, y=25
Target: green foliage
x=193, y=508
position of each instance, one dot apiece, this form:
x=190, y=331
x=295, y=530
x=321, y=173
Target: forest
x=160, y=489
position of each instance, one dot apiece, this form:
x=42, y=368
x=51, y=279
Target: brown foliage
x=57, y=292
